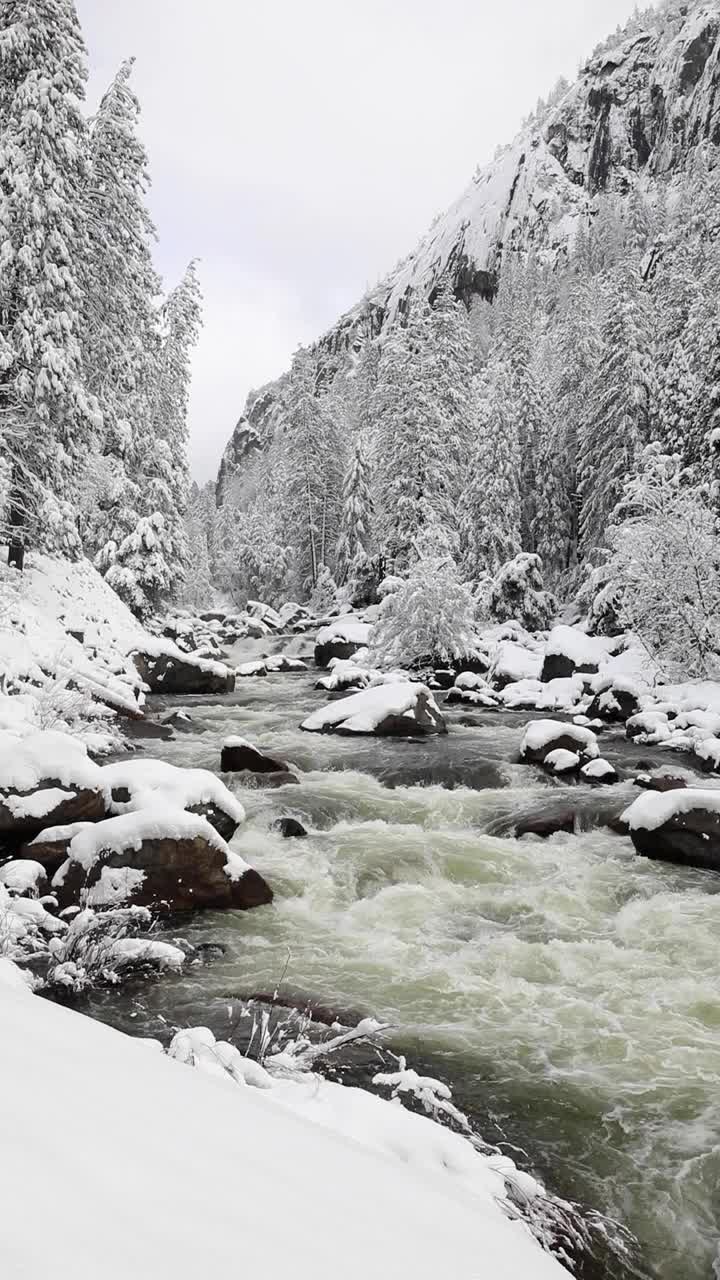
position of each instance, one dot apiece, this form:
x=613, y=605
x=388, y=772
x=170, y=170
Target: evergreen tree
x=47, y=420
x=356, y=516
x=491, y=508
x=312, y=456
x=120, y=346
x=616, y=427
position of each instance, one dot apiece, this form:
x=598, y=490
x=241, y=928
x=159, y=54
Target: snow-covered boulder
x=47, y=778
x=569, y=651
x=50, y=847
x=650, y=727
x=345, y=674
x=238, y=754
x=561, y=762
x=681, y=825
x=543, y=737
x=293, y=615
x=265, y=613
x=162, y=858
x=147, y=784
x=168, y=672
x=341, y=639
x=256, y=667
x=402, y=709
x=617, y=698
x=513, y=662
x=599, y=772
x=24, y=877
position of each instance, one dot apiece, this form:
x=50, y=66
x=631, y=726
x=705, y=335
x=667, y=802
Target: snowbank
x=147, y=1168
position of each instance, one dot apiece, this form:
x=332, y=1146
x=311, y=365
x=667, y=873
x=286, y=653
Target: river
x=568, y=990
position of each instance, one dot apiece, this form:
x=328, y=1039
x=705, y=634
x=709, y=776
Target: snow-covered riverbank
x=138, y=1165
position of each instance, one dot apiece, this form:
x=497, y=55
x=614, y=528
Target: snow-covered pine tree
x=356, y=518
x=449, y=371
x=616, y=427
x=490, y=518
x=413, y=477
x=197, y=592
x=554, y=497
x=313, y=454
x=47, y=420
x=147, y=566
x=120, y=339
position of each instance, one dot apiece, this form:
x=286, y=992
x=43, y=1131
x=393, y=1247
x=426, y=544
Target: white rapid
x=568, y=990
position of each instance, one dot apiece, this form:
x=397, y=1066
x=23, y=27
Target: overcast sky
x=298, y=148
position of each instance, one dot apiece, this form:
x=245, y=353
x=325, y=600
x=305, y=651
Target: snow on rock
x=569, y=650
x=47, y=777
x=164, y=669
x=341, y=639
x=599, y=771
x=217, y=1175
x=561, y=761
x=158, y=857
x=148, y=951
x=680, y=825
x=395, y=709
x=139, y=784
x=542, y=737
x=24, y=876
x=345, y=674
x=513, y=662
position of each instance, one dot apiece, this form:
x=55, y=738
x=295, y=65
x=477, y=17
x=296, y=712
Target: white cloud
x=299, y=148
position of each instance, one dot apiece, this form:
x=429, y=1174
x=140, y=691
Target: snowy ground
x=166, y=1172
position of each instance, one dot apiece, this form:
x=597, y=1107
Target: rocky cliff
x=640, y=105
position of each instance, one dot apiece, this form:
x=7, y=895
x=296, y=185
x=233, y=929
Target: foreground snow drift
x=149, y=1169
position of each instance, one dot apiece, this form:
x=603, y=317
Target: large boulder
x=169, y=861
x=149, y=784
x=178, y=674
x=24, y=813
x=238, y=754
x=569, y=651
x=681, y=826
x=544, y=737
x=340, y=640
x=399, y=709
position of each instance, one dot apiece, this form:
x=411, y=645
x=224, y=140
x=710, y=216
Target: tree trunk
x=16, y=552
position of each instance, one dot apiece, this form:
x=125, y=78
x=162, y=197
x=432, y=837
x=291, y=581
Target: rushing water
x=568, y=990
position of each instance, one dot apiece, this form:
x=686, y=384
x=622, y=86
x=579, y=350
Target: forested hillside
x=542, y=375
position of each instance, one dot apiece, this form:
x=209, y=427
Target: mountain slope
x=640, y=105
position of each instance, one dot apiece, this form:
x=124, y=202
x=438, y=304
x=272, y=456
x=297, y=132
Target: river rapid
x=567, y=990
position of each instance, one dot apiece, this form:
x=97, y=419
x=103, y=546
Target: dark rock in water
x=477, y=775
x=545, y=825
x=210, y=950
x=477, y=664
x=289, y=828
x=238, y=755
x=329, y=649
x=24, y=814
x=223, y=822
x=181, y=722
x=691, y=839
x=147, y=729
x=443, y=679
x=282, y=778
x=660, y=782
x=184, y=874
x=558, y=666
x=167, y=673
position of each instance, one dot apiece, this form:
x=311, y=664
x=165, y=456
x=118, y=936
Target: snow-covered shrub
x=428, y=617
x=517, y=593
x=662, y=579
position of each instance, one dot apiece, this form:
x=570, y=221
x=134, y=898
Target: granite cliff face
x=639, y=107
